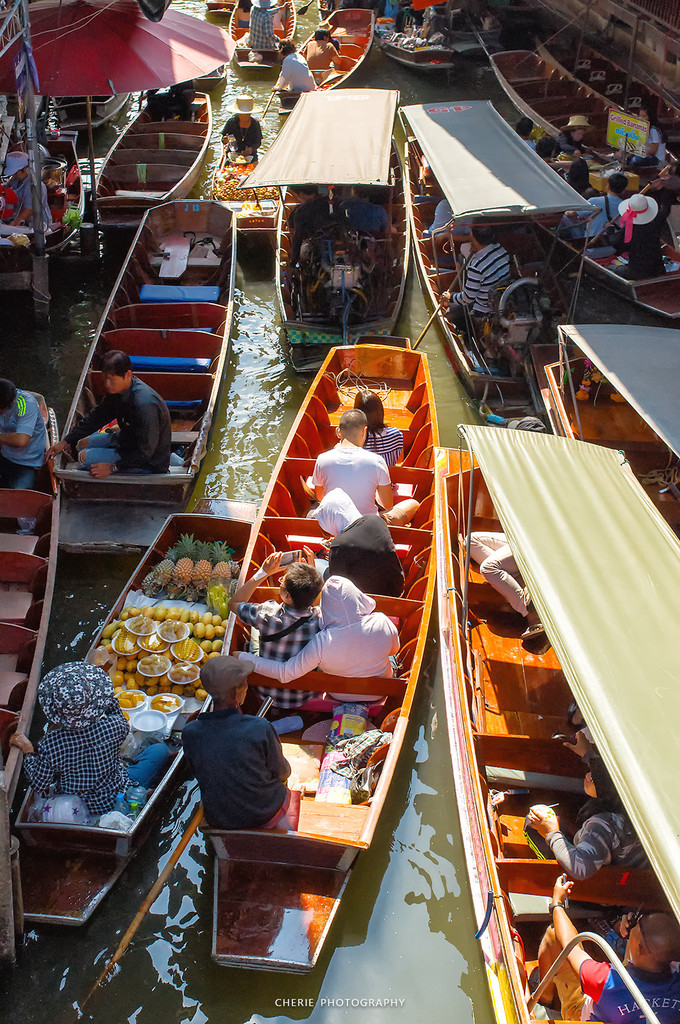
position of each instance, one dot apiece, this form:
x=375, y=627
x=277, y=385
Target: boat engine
x=335, y=271
x=523, y=309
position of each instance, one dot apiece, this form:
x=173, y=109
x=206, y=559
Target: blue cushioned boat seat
x=191, y=403
x=169, y=364
x=178, y=293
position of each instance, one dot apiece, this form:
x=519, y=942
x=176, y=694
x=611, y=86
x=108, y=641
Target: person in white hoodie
x=356, y=640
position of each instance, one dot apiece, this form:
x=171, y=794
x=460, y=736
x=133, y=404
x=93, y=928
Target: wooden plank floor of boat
x=98, y=526
x=69, y=896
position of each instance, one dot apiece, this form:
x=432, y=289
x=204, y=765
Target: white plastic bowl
x=149, y=721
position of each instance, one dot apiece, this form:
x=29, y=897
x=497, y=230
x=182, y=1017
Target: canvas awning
x=643, y=364
x=332, y=138
x=482, y=166
x=603, y=570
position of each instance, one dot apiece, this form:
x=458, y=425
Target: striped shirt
x=388, y=442
x=604, y=838
x=486, y=268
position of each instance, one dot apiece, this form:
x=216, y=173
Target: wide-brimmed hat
x=262, y=3
x=14, y=162
x=244, y=105
x=576, y=121
x=75, y=694
x=636, y=210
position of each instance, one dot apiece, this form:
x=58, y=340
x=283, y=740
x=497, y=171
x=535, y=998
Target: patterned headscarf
x=75, y=694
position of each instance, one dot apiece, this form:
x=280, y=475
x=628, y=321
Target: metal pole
x=631, y=62
x=90, y=153
x=7, y=940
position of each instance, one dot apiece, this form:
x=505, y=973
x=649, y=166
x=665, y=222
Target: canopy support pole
x=631, y=61
x=40, y=277
x=90, y=153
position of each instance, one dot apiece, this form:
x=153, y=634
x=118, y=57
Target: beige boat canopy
x=483, y=167
x=332, y=138
x=643, y=364
x=603, y=569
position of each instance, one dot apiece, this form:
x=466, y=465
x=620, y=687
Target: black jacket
x=364, y=553
x=145, y=427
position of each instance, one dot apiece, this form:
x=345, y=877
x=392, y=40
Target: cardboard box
x=599, y=181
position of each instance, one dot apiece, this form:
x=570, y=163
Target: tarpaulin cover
x=332, y=138
x=483, y=167
x=643, y=364
x=603, y=570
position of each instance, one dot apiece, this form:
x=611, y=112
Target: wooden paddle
x=426, y=327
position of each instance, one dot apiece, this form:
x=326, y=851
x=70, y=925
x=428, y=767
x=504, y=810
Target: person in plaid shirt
x=261, y=34
x=298, y=591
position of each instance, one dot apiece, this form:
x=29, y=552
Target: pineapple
x=201, y=574
x=192, y=593
x=150, y=585
x=222, y=570
x=163, y=572
x=184, y=567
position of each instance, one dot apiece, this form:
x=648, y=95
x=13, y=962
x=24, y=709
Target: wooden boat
x=276, y=893
x=255, y=210
x=605, y=385
x=151, y=163
x=421, y=58
x=467, y=154
x=206, y=83
x=269, y=59
x=67, y=870
x=346, y=285
x=354, y=30
x=71, y=111
x=61, y=174
x=504, y=705
x=220, y=8
x=179, y=347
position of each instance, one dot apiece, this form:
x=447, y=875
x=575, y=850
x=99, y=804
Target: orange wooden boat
x=505, y=707
x=171, y=310
x=261, y=60
x=276, y=893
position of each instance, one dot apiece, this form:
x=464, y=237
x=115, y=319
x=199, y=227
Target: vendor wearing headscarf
x=356, y=640
x=79, y=753
x=362, y=549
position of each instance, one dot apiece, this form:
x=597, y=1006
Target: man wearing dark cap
x=237, y=758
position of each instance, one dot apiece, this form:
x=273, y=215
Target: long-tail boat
x=609, y=384
x=67, y=870
x=246, y=58
x=466, y=154
x=605, y=588
x=276, y=892
x=151, y=163
x=71, y=111
x=171, y=310
x=347, y=284
x=353, y=29
x=64, y=190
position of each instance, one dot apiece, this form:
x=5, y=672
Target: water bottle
x=136, y=794
x=120, y=805
x=134, y=809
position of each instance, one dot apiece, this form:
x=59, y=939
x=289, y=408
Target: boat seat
x=128, y=193
x=194, y=404
x=498, y=776
x=14, y=606
x=169, y=364
x=528, y=906
x=179, y=293
x=12, y=686
x=612, y=886
x=24, y=543
x=184, y=436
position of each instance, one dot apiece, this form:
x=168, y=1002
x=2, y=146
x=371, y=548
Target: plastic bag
x=65, y=809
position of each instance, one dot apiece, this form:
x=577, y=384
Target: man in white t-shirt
x=361, y=474
x=295, y=74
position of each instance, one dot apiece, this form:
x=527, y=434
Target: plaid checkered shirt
x=261, y=31
x=82, y=761
x=272, y=617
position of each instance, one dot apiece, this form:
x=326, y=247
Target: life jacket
x=8, y=203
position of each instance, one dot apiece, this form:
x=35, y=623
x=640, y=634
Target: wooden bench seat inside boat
x=612, y=885
x=178, y=293
x=318, y=819
x=171, y=316
x=137, y=157
x=22, y=586
x=17, y=647
x=162, y=141
x=171, y=344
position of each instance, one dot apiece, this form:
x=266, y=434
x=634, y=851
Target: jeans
x=149, y=764
x=643, y=161
x=15, y=476
x=102, y=447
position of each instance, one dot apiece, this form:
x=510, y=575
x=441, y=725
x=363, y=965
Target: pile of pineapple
x=190, y=568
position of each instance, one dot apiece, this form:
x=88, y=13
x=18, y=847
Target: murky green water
x=405, y=929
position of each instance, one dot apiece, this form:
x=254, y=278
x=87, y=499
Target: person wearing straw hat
x=261, y=35
x=642, y=221
x=242, y=133
x=79, y=752
x=572, y=134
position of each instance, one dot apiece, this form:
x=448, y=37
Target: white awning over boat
x=332, y=138
x=643, y=364
x=603, y=569
x=482, y=166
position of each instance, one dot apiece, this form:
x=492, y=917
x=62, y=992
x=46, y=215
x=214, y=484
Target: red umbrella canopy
x=92, y=48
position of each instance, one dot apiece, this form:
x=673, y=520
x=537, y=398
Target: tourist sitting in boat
x=142, y=441
x=237, y=758
x=321, y=54
x=546, y=148
x=312, y=214
x=385, y=441
x=590, y=990
x=79, y=752
x=243, y=14
x=23, y=437
x=604, y=836
x=643, y=221
x=168, y=104
x=578, y=176
x=497, y=565
x=16, y=170
x=359, y=214
x=572, y=134
x=362, y=549
x=286, y=625
x=524, y=128
x=361, y=474
x=295, y=74
x=261, y=35
x=574, y=225
x=655, y=147
x=489, y=266
x=356, y=640
x=242, y=132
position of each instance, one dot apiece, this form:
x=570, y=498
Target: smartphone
x=293, y=556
